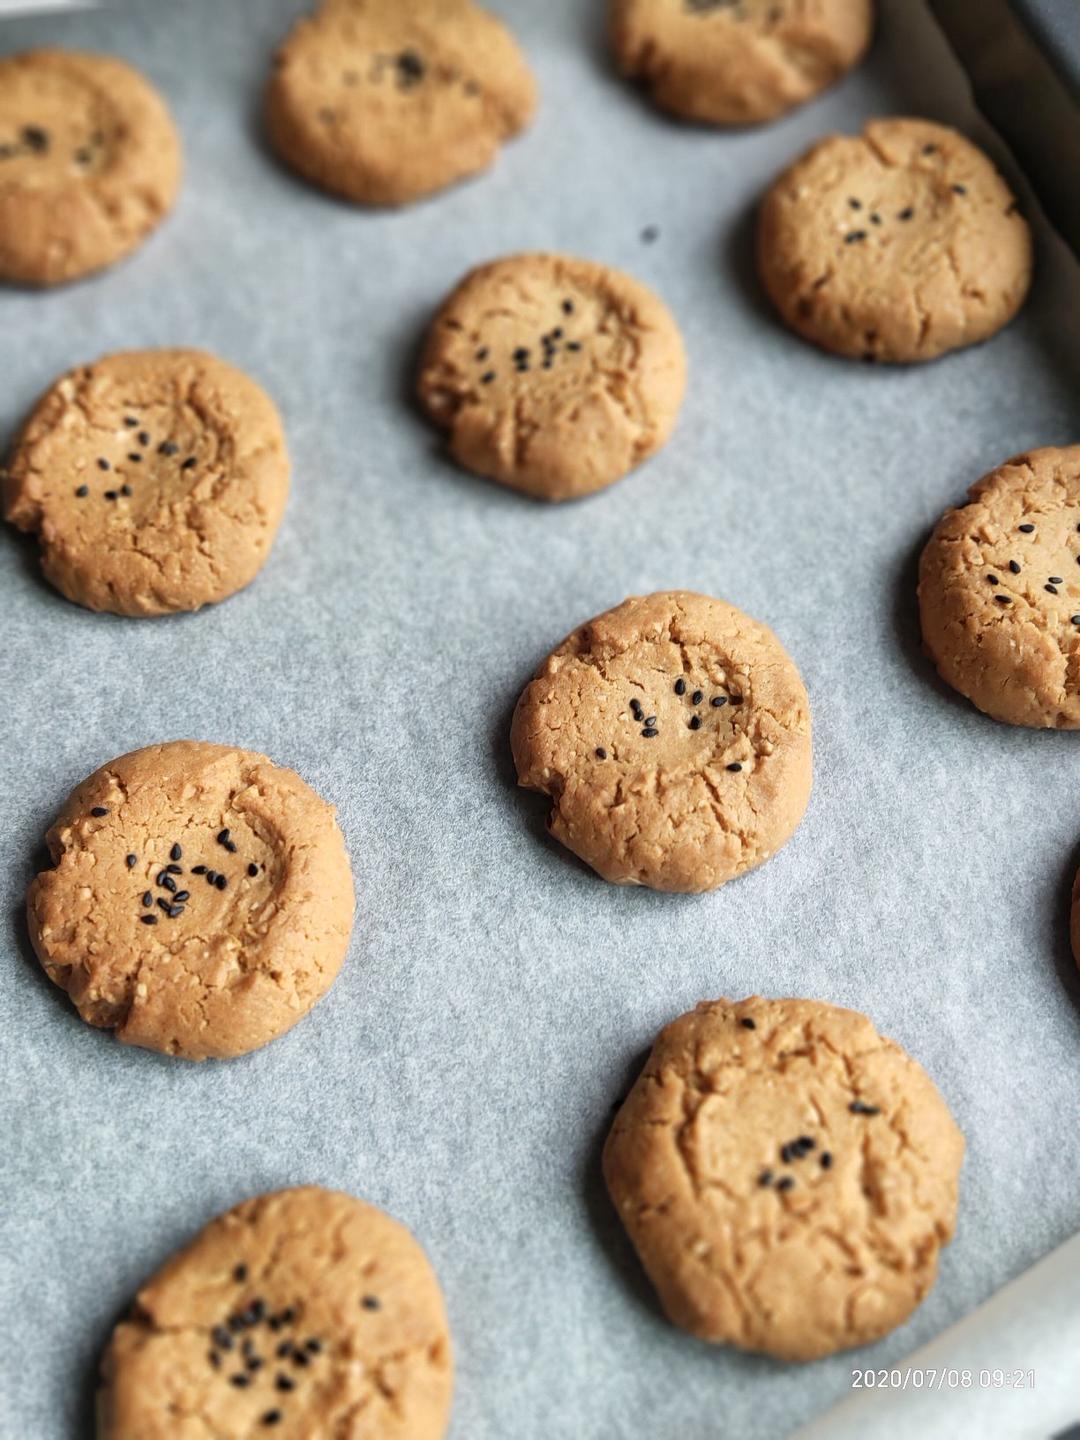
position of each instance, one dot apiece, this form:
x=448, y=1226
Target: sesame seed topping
x=1056, y=580
x=487, y=378
x=747, y=1023
x=130, y=421
x=875, y=219
x=695, y=722
x=132, y=861
x=285, y=1382
x=143, y=438
x=734, y=767
x=1076, y=619
x=1003, y=599
x=148, y=898
x=906, y=213
x=1014, y=567
x=98, y=811
x=371, y=1302
x=1026, y=529
x=1051, y=589
x=148, y=919
x=992, y=580
x=182, y=895
x=826, y=1160
x=164, y=905
x=135, y=458
x=718, y=702
x=787, y=1183
x=103, y=464
x=697, y=697
x=167, y=883
x=855, y=204
x=680, y=687
x=220, y=881
x=189, y=463
x=568, y=307
x=198, y=869
x=175, y=853
x=167, y=447
x=765, y=1178
x=240, y=1381
x=253, y=869
x=860, y=1107
x=601, y=754
x=959, y=189
x=272, y=1417
x=82, y=492
x=650, y=719
x=854, y=236
x=174, y=869
x=650, y=731
x=110, y=494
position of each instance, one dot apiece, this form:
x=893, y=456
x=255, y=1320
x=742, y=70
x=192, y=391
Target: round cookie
x=552, y=375
x=385, y=101
x=999, y=592
x=200, y=900
x=898, y=244
x=737, y=62
x=303, y=1314
x=89, y=164
x=787, y=1176
x=673, y=736
x=155, y=481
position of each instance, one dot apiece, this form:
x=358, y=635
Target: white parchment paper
x=498, y=997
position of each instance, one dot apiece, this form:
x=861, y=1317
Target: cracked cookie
x=673, y=737
x=898, y=244
x=303, y=1314
x=385, y=101
x=737, y=62
x=155, y=481
x=199, y=903
x=787, y=1176
x=552, y=375
x=999, y=592
x=89, y=164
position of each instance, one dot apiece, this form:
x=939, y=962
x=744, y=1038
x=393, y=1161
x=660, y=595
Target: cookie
x=898, y=244
x=89, y=164
x=737, y=62
x=999, y=592
x=385, y=101
x=154, y=480
x=305, y=1314
x=199, y=902
x=786, y=1175
x=673, y=737
x=552, y=375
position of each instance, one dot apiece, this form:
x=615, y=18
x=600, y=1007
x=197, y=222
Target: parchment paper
x=498, y=997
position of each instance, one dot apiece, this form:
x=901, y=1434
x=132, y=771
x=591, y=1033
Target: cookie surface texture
x=385, y=101
x=786, y=1175
x=304, y=1314
x=673, y=737
x=199, y=903
x=999, y=592
x=552, y=375
x=155, y=481
x=897, y=245
x=737, y=62
x=89, y=164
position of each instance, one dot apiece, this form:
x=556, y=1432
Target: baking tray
x=498, y=997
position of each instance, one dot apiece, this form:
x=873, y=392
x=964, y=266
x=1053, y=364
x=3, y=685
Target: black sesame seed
x=568, y=307
x=174, y=869
x=697, y=697
x=650, y=719
x=181, y=896
x=130, y=421
x=855, y=204
x=1003, y=599
x=680, y=687
x=747, y=1023
x=167, y=447
x=520, y=354
x=1026, y=529
x=167, y=883
x=826, y=1160
x=125, y=490
x=248, y=1347
x=240, y=1381
x=787, y=1183
x=235, y=1323
x=222, y=836
x=272, y=1417
x=854, y=236
x=147, y=898
x=635, y=707
x=992, y=580
x=176, y=853
x=164, y=905
x=148, y=919
x=110, y=494
x=1051, y=589
x=573, y=345
x=35, y=138
x=83, y=491
x=371, y=1302
x=220, y=881
x=601, y=754
x=695, y=722
x=488, y=378
x=734, y=767
x=875, y=219
x=787, y=1154
x=860, y=1107
x=929, y=149
x=230, y=845
x=215, y=1359
x=557, y=333
x=1075, y=619
x=256, y=1311
x=959, y=189
x=1014, y=567
x=135, y=458
x=211, y=876
x=765, y=1178
x=718, y=702
x=189, y=463
x=299, y=1358
x=253, y=1363
x=143, y=438
x=1056, y=580
x=906, y=213
x=314, y=1346
x=285, y=1382
x=221, y=1337
x=99, y=810
x=175, y=911
x=286, y=1346
x=198, y=869
x=806, y=1143
x=650, y=732
x=483, y=353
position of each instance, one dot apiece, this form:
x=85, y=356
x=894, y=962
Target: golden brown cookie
x=787, y=1176
x=897, y=244
x=384, y=101
x=552, y=375
x=155, y=481
x=200, y=900
x=303, y=1314
x=999, y=591
x=673, y=736
x=737, y=62
x=89, y=164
